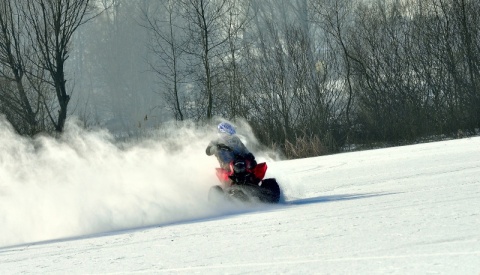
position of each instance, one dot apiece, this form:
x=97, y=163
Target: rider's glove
x=221, y=146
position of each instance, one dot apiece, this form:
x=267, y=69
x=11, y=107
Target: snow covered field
x=403, y=210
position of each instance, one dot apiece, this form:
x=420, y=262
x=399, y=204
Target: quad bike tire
x=270, y=191
x=216, y=193
x=238, y=193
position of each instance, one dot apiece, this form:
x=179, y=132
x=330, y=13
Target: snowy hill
x=403, y=210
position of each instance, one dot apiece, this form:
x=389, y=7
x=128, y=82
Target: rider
x=228, y=146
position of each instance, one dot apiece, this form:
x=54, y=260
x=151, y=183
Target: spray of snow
x=84, y=182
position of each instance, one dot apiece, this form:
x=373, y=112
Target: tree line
x=309, y=76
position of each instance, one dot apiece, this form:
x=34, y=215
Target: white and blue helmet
x=226, y=128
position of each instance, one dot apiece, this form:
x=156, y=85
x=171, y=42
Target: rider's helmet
x=226, y=128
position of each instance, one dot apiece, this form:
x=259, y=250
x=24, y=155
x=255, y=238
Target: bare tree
x=168, y=45
x=415, y=68
x=465, y=14
x=335, y=19
x=50, y=26
x=22, y=87
x=235, y=25
x=16, y=100
x=204, y=26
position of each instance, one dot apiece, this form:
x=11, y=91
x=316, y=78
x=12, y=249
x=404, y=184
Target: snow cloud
x=85, y=182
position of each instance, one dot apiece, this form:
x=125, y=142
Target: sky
x=84, y=204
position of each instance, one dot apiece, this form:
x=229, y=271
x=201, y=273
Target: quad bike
x=245, y=183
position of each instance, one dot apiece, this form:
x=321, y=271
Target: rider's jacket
x=226, y=156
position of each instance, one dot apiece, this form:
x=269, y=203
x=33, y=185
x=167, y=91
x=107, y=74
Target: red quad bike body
x=245, y=184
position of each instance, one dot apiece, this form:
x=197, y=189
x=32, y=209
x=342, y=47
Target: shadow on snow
x=334, y=198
